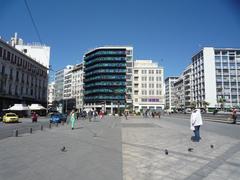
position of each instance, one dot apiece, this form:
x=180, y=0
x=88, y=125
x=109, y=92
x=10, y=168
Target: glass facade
x=105, y=76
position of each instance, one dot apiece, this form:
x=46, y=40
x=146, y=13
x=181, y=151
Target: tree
x=205, y=104
x=193, y=104
x=221, y=101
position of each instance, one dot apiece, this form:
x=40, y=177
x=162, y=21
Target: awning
x=36, y=107
x=19, y=107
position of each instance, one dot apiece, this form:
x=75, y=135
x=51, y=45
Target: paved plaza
x=145, y=141
x=115, y=148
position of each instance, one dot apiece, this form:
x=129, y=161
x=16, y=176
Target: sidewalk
x=145, y=141
x=93, y=151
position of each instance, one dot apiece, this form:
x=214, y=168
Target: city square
x=116, y=148
x=130, y=89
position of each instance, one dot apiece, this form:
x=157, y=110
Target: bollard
x=30, y=130
x=56, y=124
x=62, y=122
x=41, y=127
x=15, y=133
x=50, y=125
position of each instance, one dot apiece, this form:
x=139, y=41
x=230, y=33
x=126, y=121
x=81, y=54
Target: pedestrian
x=34, y=117
x=73, y=117
x=159, y=114
x=195, y=123
x=234, y=115
x=153, y=114
x=101, y=114
x=126, y=114
x=90, y=113
x=95, y=114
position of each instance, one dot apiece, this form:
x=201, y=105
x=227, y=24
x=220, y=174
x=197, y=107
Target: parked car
x=10, y=117
x=58, y=118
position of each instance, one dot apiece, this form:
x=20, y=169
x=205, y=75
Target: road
x=229, y=130
x=24, y=125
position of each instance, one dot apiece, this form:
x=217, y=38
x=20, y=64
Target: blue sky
x=166, y=31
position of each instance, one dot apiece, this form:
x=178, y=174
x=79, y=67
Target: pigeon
x=166, y=151
x=190, y=149
x=63, y=149
x=211, y=146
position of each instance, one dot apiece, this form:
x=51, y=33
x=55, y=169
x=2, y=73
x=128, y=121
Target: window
x=144, y=78
x=151, y=92
x=128, y=52
x=144, y=71
x=151, y=71
x=0, y=51
x=151, y=78
x=129, y=64
x=135, y=71
x=158, y=86
x=11, y=71
x=144, y=85
x=151, y=85
x=144, y=100
x=4, y=54
x=17, y=74
x=217, y=58
x=129, y=70
x=144, y=92
x=8, y=56
x=158, y=92
x=3, y=70
x=136, y=99
x=217, y=52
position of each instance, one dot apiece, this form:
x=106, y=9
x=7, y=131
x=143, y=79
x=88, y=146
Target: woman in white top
x=195, y=123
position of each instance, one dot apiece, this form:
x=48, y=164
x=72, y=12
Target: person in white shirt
x=195, y=123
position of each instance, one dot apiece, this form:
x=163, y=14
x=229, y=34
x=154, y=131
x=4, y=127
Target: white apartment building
x=169, y=92
x=67, y=86
x=51, y=93
x=148, y=85
x=179, y=93
x=59, y=82
x=38, y=52
x=77, y=85
x=183, y=89
x=216, y=75
x=73, y=86
x=22, y=79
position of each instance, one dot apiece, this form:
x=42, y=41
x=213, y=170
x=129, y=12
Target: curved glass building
x=108, y=77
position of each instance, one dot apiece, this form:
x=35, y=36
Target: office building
x=148, y=86
x=59, y=82
x=183, y=90
x=108, y=78
x=77, y=85
x=216, y=76
x=170, y=92
x=51, y=93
